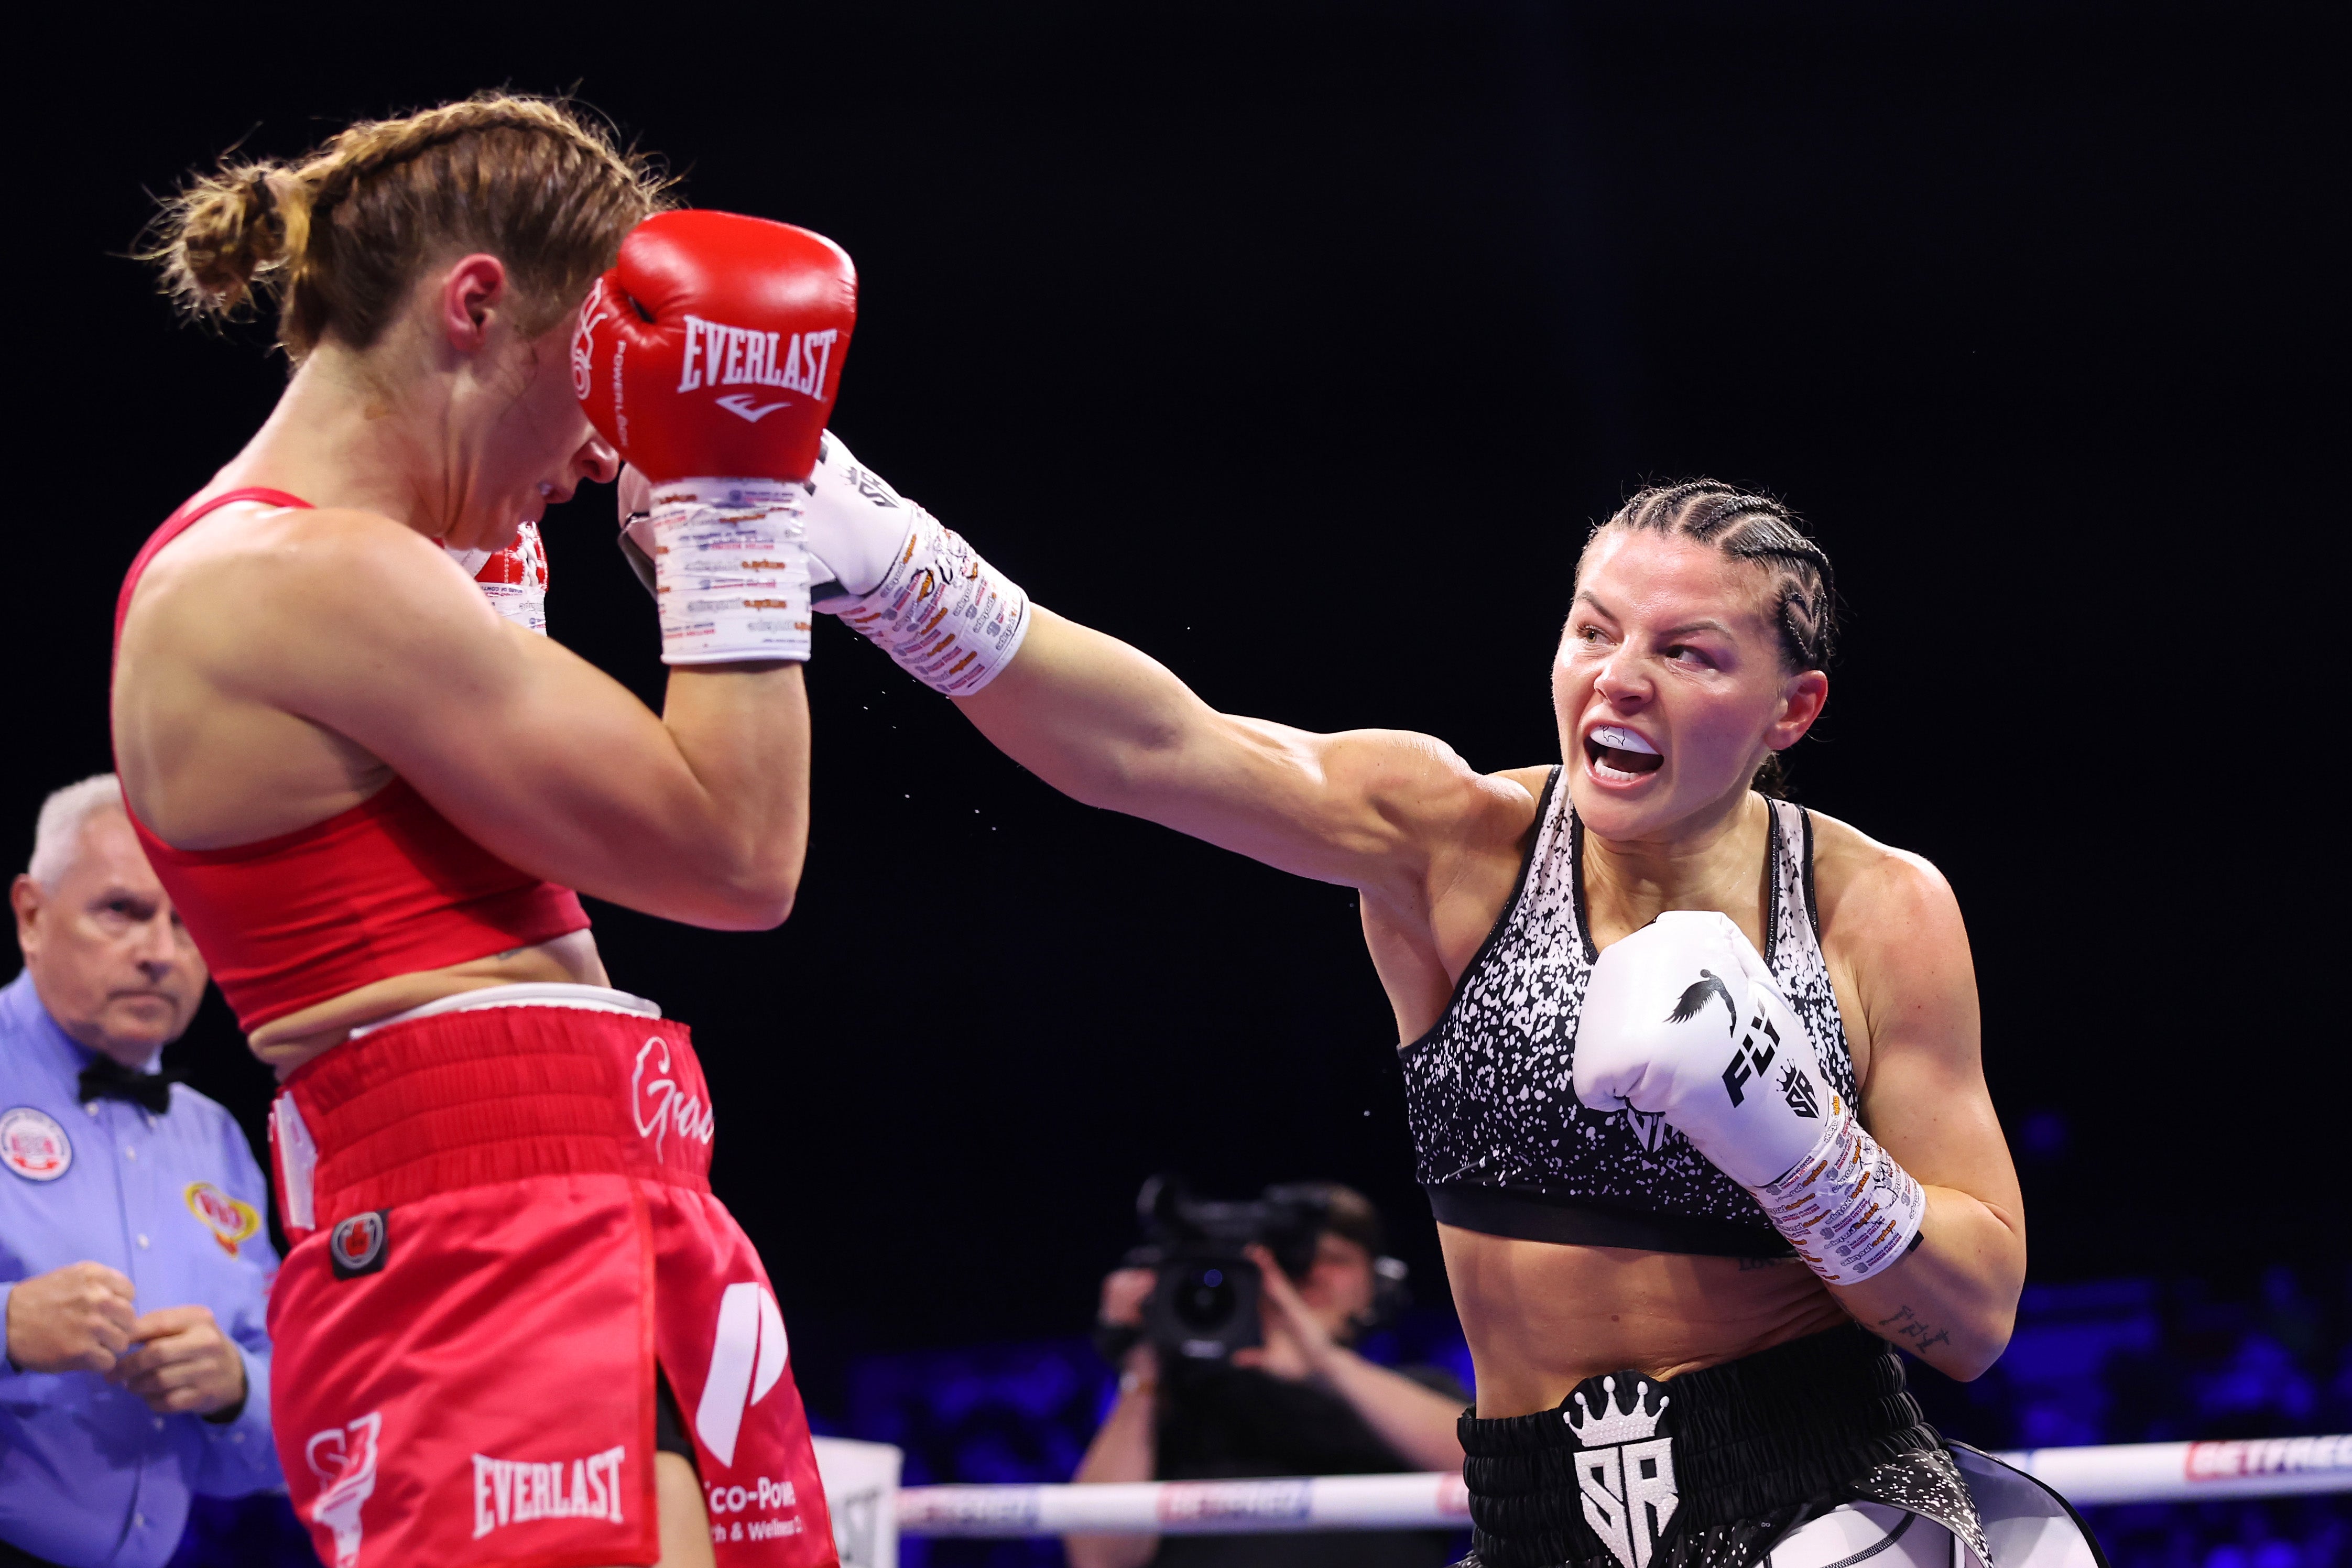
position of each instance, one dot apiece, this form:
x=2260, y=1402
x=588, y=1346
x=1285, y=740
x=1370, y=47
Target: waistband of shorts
x=1765, y=1432
x=500, y=1092
x=523, y=994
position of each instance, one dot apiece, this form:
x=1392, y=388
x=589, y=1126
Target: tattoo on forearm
x=1907, y=1324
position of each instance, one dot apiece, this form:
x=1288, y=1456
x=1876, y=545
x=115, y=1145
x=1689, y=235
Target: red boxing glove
x=714, y=348
x=515, y=580
x=710, y=357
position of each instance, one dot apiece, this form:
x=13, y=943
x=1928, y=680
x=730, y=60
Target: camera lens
x=1205, y=1299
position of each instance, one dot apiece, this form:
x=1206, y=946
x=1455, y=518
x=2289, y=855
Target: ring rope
x=2088, y=1477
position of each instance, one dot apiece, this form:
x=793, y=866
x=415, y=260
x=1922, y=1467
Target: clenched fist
x=185, y=1365
x=75, y=1319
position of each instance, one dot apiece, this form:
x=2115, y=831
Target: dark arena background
x=1299, y=345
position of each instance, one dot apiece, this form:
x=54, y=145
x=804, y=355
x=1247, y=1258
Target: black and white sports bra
x=1504, y=1146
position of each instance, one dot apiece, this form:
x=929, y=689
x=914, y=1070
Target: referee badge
x=357, y=1245
x=33, y=1145
x=230, y=1220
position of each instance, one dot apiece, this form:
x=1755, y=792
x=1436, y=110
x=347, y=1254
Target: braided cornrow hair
x=1750, y=528
x=335, y=238
x=1757, y=529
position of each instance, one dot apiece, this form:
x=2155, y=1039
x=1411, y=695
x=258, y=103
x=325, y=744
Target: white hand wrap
x=896, y=575
x=730, y=569
x=946, y=616
x=1847, y=1207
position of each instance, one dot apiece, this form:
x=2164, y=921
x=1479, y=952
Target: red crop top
x=387, y=888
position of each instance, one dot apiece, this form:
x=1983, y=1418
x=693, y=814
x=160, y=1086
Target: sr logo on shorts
x=1624, y=1471
x=357, y=1245
x=33, y=1145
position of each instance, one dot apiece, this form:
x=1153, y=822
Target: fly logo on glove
x=1753, y=1059
x=1695, y=999
x=1658, y=1011
x=1647, y=1040
x=1741, y=1071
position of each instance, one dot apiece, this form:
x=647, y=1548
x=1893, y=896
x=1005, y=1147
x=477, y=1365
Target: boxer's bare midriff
x=287, y=1043
x=1541, y=1317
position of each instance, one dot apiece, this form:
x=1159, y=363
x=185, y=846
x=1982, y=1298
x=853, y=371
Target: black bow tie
x=107, y=1078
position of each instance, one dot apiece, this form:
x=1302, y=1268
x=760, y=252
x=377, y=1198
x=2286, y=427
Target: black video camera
x=1205, y=1304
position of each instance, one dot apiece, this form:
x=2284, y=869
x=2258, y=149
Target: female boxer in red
x=1642, y=1003
x=514, y=1327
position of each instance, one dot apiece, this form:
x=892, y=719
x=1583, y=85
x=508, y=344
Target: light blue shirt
x=89, y=1475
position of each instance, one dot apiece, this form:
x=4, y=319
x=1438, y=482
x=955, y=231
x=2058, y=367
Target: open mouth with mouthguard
x=1618, y=754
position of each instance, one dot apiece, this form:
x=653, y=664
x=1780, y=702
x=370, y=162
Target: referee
x=134, y=1267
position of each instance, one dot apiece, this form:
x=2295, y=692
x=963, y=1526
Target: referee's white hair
x=56, y=836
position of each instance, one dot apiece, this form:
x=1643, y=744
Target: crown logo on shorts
x=1600, y=1423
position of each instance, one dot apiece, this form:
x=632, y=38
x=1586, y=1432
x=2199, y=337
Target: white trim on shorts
x=526, y=994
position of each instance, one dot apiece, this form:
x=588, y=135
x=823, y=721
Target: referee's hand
x=75, y=1319
x=184, y=1365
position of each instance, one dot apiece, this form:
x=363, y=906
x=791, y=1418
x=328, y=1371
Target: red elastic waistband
x=502, y=1094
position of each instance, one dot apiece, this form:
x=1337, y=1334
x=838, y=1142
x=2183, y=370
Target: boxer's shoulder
x=261, y=553
x=1891, y=931
x=326, y=545
x=1425, y=788
x=1475, y=832
x=1861, y=883
x=1524, y=785
x=1491, y=817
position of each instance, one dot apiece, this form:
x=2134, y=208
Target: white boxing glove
x=1683, y=1019
x=857, y=526
x=898, y=577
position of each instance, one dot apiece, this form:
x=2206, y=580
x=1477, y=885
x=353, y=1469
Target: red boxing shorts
x=501, y=1221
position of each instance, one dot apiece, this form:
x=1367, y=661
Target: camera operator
x=1301, y=1402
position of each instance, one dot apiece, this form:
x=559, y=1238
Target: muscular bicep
x=1109, y=726
x=1362, y=808
x=526, y=747
x=1925, y=1099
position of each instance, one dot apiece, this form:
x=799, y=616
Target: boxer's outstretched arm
x=1108, y=726
x=1381, y=810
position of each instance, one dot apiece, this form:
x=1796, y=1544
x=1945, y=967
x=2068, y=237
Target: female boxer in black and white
x=1692, y=1073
